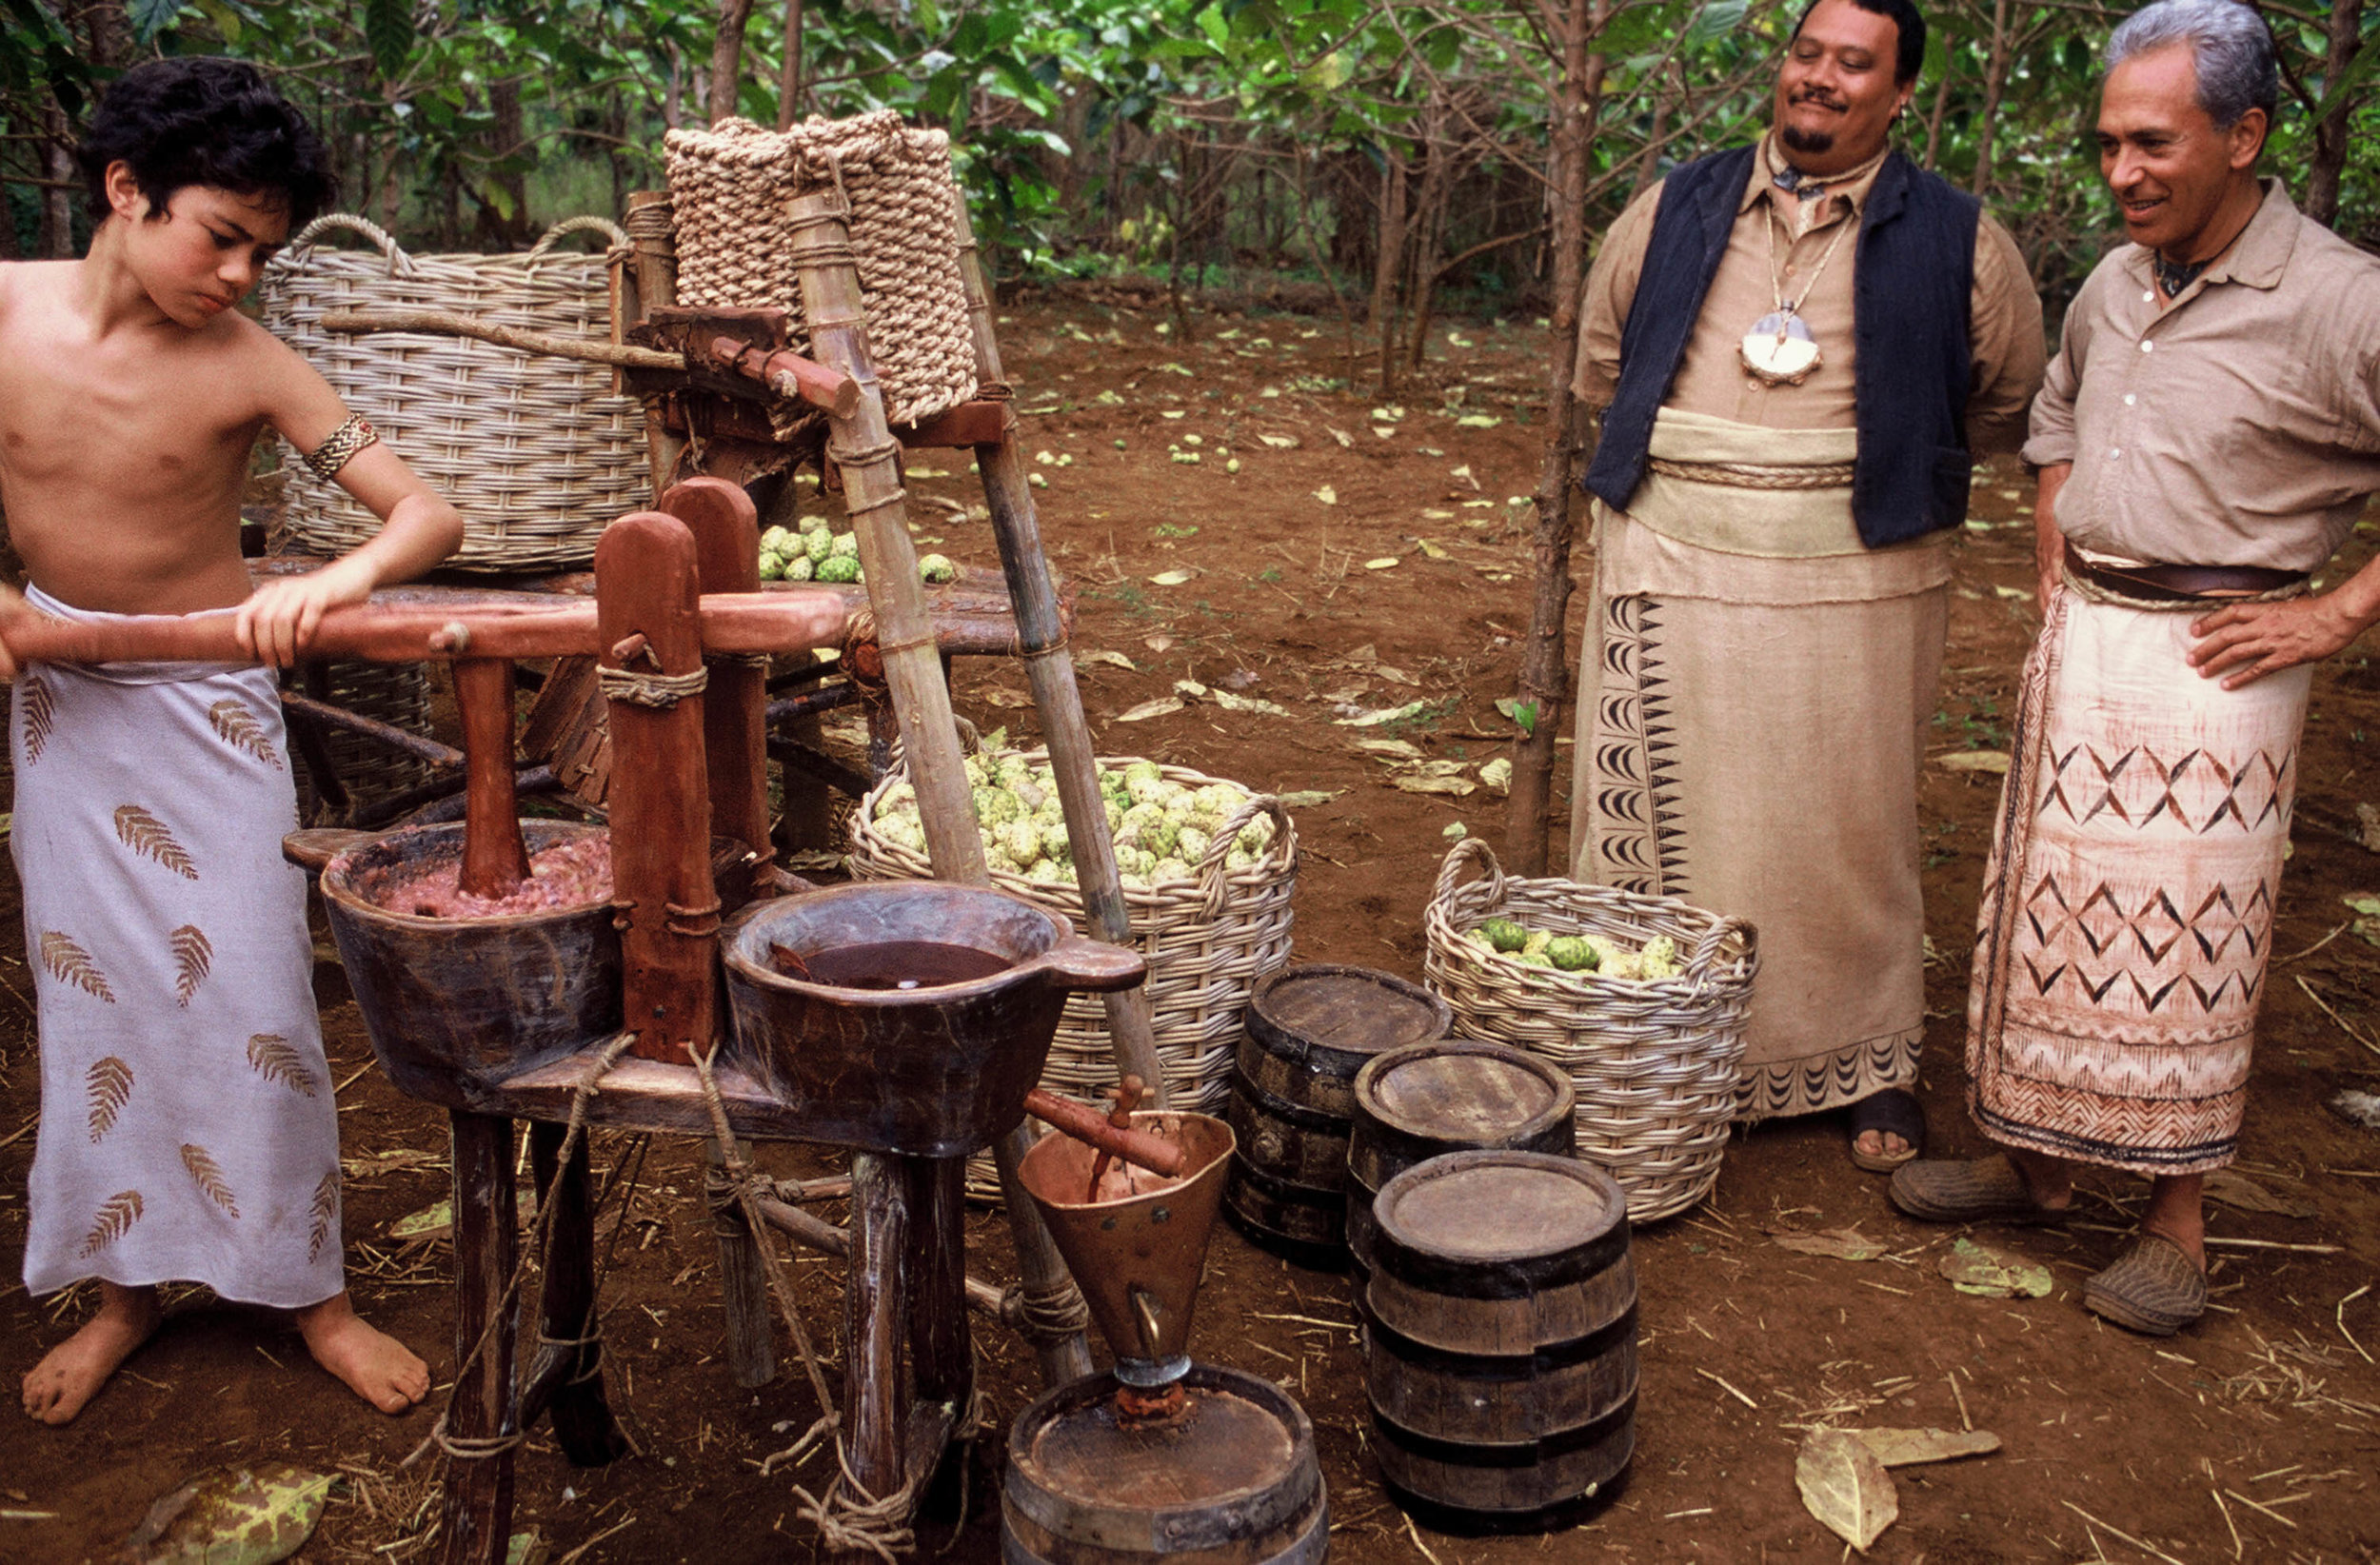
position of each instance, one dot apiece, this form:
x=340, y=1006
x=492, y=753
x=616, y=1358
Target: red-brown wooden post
x=495, y=861
x=727, y=559
x=645, y=593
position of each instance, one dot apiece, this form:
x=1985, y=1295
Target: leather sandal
x=1968, y=1190
x=1894, y=1111
x=2153, y=1288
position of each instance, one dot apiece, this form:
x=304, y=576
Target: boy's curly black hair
x=205, y=121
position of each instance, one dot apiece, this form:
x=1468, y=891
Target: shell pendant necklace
x=1779, y=349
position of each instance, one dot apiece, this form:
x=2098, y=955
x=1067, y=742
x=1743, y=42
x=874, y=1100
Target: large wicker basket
x=537, y=452
x=1657, y=1064
x=729, y=184
x=1207, y=942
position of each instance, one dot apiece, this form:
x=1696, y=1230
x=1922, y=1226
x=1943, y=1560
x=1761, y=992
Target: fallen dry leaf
x=1402, y=748
x=2239, y=1191
x=1147, y=709
x=1911, y=1447
x=1387, y=561
x=1840, y=1244
x=1114, y=660
x=1994, y=762
x=1158, y=643
x=246, y=1516
x=1230, y=703
x=1978, y=1269
x=1328, y=493
x=2368, y=814
x=1456, y=787
x=1385, y=714
x=1171, y=578
x=1497, y=774
x=1309, y=798
x=1844, y=1485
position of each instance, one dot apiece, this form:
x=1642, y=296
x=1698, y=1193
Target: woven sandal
x=2153, y=1288
x=1968, y=1190
x=1894, y=1111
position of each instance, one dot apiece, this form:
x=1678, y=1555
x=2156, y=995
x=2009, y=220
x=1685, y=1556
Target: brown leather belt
x=2182, y=583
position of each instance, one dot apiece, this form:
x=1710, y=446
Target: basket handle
x=1211, y=868
x=1470, y=852
x=613, y=231
x=1722, y=929
x=400, y=264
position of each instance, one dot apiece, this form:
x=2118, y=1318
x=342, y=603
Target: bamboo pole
x=868, y=457
x=651, y=283
x=1049, y=667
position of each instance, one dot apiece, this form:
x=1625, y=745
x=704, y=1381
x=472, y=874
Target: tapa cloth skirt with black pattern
x=1753, y=704
x=2126, y=917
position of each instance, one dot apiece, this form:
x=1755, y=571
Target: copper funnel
x=1138, y=1244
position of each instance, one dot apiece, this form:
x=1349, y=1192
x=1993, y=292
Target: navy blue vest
x=1909, y=304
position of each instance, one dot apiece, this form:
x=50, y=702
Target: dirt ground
x=2254, y=1436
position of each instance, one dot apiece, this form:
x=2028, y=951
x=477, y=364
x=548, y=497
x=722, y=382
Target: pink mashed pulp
x=573, y=874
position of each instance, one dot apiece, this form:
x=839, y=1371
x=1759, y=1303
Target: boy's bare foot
x=375, y=1366
x=71, y=1374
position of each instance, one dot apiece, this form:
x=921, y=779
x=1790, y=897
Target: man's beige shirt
x=2240, y=425
x=2004, y=325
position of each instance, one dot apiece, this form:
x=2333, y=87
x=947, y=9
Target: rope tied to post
x=654, y=691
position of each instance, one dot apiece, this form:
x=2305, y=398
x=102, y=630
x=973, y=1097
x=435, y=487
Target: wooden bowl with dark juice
x=906, y=1017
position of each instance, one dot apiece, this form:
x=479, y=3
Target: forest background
x=1378, y=162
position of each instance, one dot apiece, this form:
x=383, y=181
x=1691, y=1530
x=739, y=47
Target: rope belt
x=657, y=691
x=1748, y=475
x=2166, y=586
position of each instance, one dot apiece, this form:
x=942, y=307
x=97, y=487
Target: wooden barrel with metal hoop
x=1500, y=1332
x=1310, y=1029
x=1449, y=1095
x=1236, y=1483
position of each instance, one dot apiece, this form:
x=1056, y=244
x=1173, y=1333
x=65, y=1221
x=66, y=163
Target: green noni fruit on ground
x=840, y=568
x=845, y=546
x=800, y=568
x=938, y=567
x=818, y=543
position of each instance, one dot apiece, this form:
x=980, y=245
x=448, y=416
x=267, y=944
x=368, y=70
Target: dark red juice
x=891, y=965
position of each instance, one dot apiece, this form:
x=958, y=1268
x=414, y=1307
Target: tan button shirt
x=2240, y=425
x=2004, y=328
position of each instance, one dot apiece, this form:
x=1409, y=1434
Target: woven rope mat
x=729, y=185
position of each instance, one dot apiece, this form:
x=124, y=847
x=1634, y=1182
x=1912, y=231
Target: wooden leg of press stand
x=942, y=1356
x=566, y=1374
x=742, y=1288
x=477, y=1519
x=876, y=1390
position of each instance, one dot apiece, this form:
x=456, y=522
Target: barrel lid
x=1457, y=1092
x=1498, y=1206
x=1241, y=1464
x=1353, y=1010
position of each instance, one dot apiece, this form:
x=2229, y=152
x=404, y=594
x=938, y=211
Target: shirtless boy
x=187, y=1128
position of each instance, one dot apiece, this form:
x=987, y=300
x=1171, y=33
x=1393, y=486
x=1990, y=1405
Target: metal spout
x=1138, y=1253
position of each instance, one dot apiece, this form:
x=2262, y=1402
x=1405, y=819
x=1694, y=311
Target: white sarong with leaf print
x=187, y=1131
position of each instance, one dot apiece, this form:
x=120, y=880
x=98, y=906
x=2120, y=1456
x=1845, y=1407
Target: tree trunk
x=1437, y=178
x=1934, y=120
x=1994, y=80
x=2330, y=159
x=1543, y=656
x=1387, y=260
x=728, y=56
x=789, y=73
x=506, y=138
x=57, y=201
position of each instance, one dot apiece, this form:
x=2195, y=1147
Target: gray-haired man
x=2206, y=439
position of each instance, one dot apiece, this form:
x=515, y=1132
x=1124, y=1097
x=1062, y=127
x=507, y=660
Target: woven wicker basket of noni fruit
x=1640, y=998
